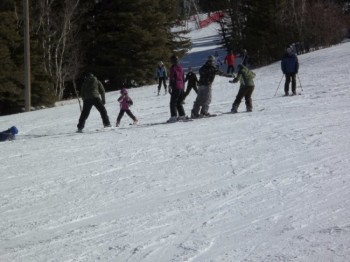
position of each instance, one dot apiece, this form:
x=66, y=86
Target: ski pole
x=279, y=85
x=300, y=83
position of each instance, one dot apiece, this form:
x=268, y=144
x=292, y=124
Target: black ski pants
x=290, y=77
x=161, y=80
x=188, y=90
x=176, y=107
x=230, y=69
x=88, y=103
x=121, y=113
x=246, y=92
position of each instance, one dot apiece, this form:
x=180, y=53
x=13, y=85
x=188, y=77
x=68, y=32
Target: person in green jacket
x=93, y=94
x=246, y=79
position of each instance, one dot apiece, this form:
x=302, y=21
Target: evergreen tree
x=11, y=89
x=264, y=36
x=125, y=39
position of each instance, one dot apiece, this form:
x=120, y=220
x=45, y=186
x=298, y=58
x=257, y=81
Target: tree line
x=265, y=28
x=120, y=41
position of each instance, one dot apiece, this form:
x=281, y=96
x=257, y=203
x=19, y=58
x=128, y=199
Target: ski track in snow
x=272, y=185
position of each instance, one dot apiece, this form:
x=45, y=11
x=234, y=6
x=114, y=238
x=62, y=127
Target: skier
x=245, y=58
x=9, y=134
x=290, y=67
x=230, y=61
x=192, y=79
x=125, y=102
x=217, y=60
x=245, y=76
x=176, y=90
x=91, y=91
x=206, y=77
x=161, y=75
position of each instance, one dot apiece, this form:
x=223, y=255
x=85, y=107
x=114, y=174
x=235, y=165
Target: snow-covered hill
x=271, y=185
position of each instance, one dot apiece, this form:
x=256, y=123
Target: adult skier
x=91, y=91
x=246, y=79
x=290, y=68
x=206, y=77
x=176, y=90
x=161, y=75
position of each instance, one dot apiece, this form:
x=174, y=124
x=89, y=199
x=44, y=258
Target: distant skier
x=161, y=75
x=176, y=89
x=230, y=61
x=9, y=134
x=245, y=58
x=125, y=103
x=91, y=91
x=192, y=80
x=246, y=79
x=290, y=67
x=206, y=77
x=218, y=61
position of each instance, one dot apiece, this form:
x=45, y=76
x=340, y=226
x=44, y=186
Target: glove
x=170, y=90
x=103, y=101
x=235, y=80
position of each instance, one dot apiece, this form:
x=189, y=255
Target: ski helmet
x=124, y=91
x=211, y=58
x=13, y=130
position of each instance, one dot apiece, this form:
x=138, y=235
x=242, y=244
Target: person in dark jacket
x=176, y=90
x=245, y=58
x=192, y=80
x=290, y=68
x=206, y=77
x=246, y=79
x=9, y=134
x=91, y=91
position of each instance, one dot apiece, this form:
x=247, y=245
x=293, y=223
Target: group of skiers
x=93, y=93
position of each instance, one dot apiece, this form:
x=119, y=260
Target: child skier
x=125, y=102
x=192, y=80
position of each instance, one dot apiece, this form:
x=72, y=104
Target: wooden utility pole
x=27, y=91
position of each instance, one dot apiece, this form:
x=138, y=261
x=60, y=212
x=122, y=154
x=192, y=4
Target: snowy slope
x=272, y=185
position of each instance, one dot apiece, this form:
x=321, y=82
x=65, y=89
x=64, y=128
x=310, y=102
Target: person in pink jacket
x=125, y=103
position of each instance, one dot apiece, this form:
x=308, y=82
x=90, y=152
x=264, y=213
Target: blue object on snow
x=9, y=134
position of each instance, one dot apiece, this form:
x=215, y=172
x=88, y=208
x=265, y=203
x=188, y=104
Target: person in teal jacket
x=93, y=94
x=246, y=79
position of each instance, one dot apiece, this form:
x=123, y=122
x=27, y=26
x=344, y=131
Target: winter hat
x=124, y=91
x=174, y=59
x=211, y=58
x=13, y=130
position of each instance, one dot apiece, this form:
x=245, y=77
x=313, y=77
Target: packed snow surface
x=271, y=185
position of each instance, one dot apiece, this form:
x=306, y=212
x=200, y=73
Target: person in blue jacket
x=161, y=75
x=9, y=134
x=290, y=67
